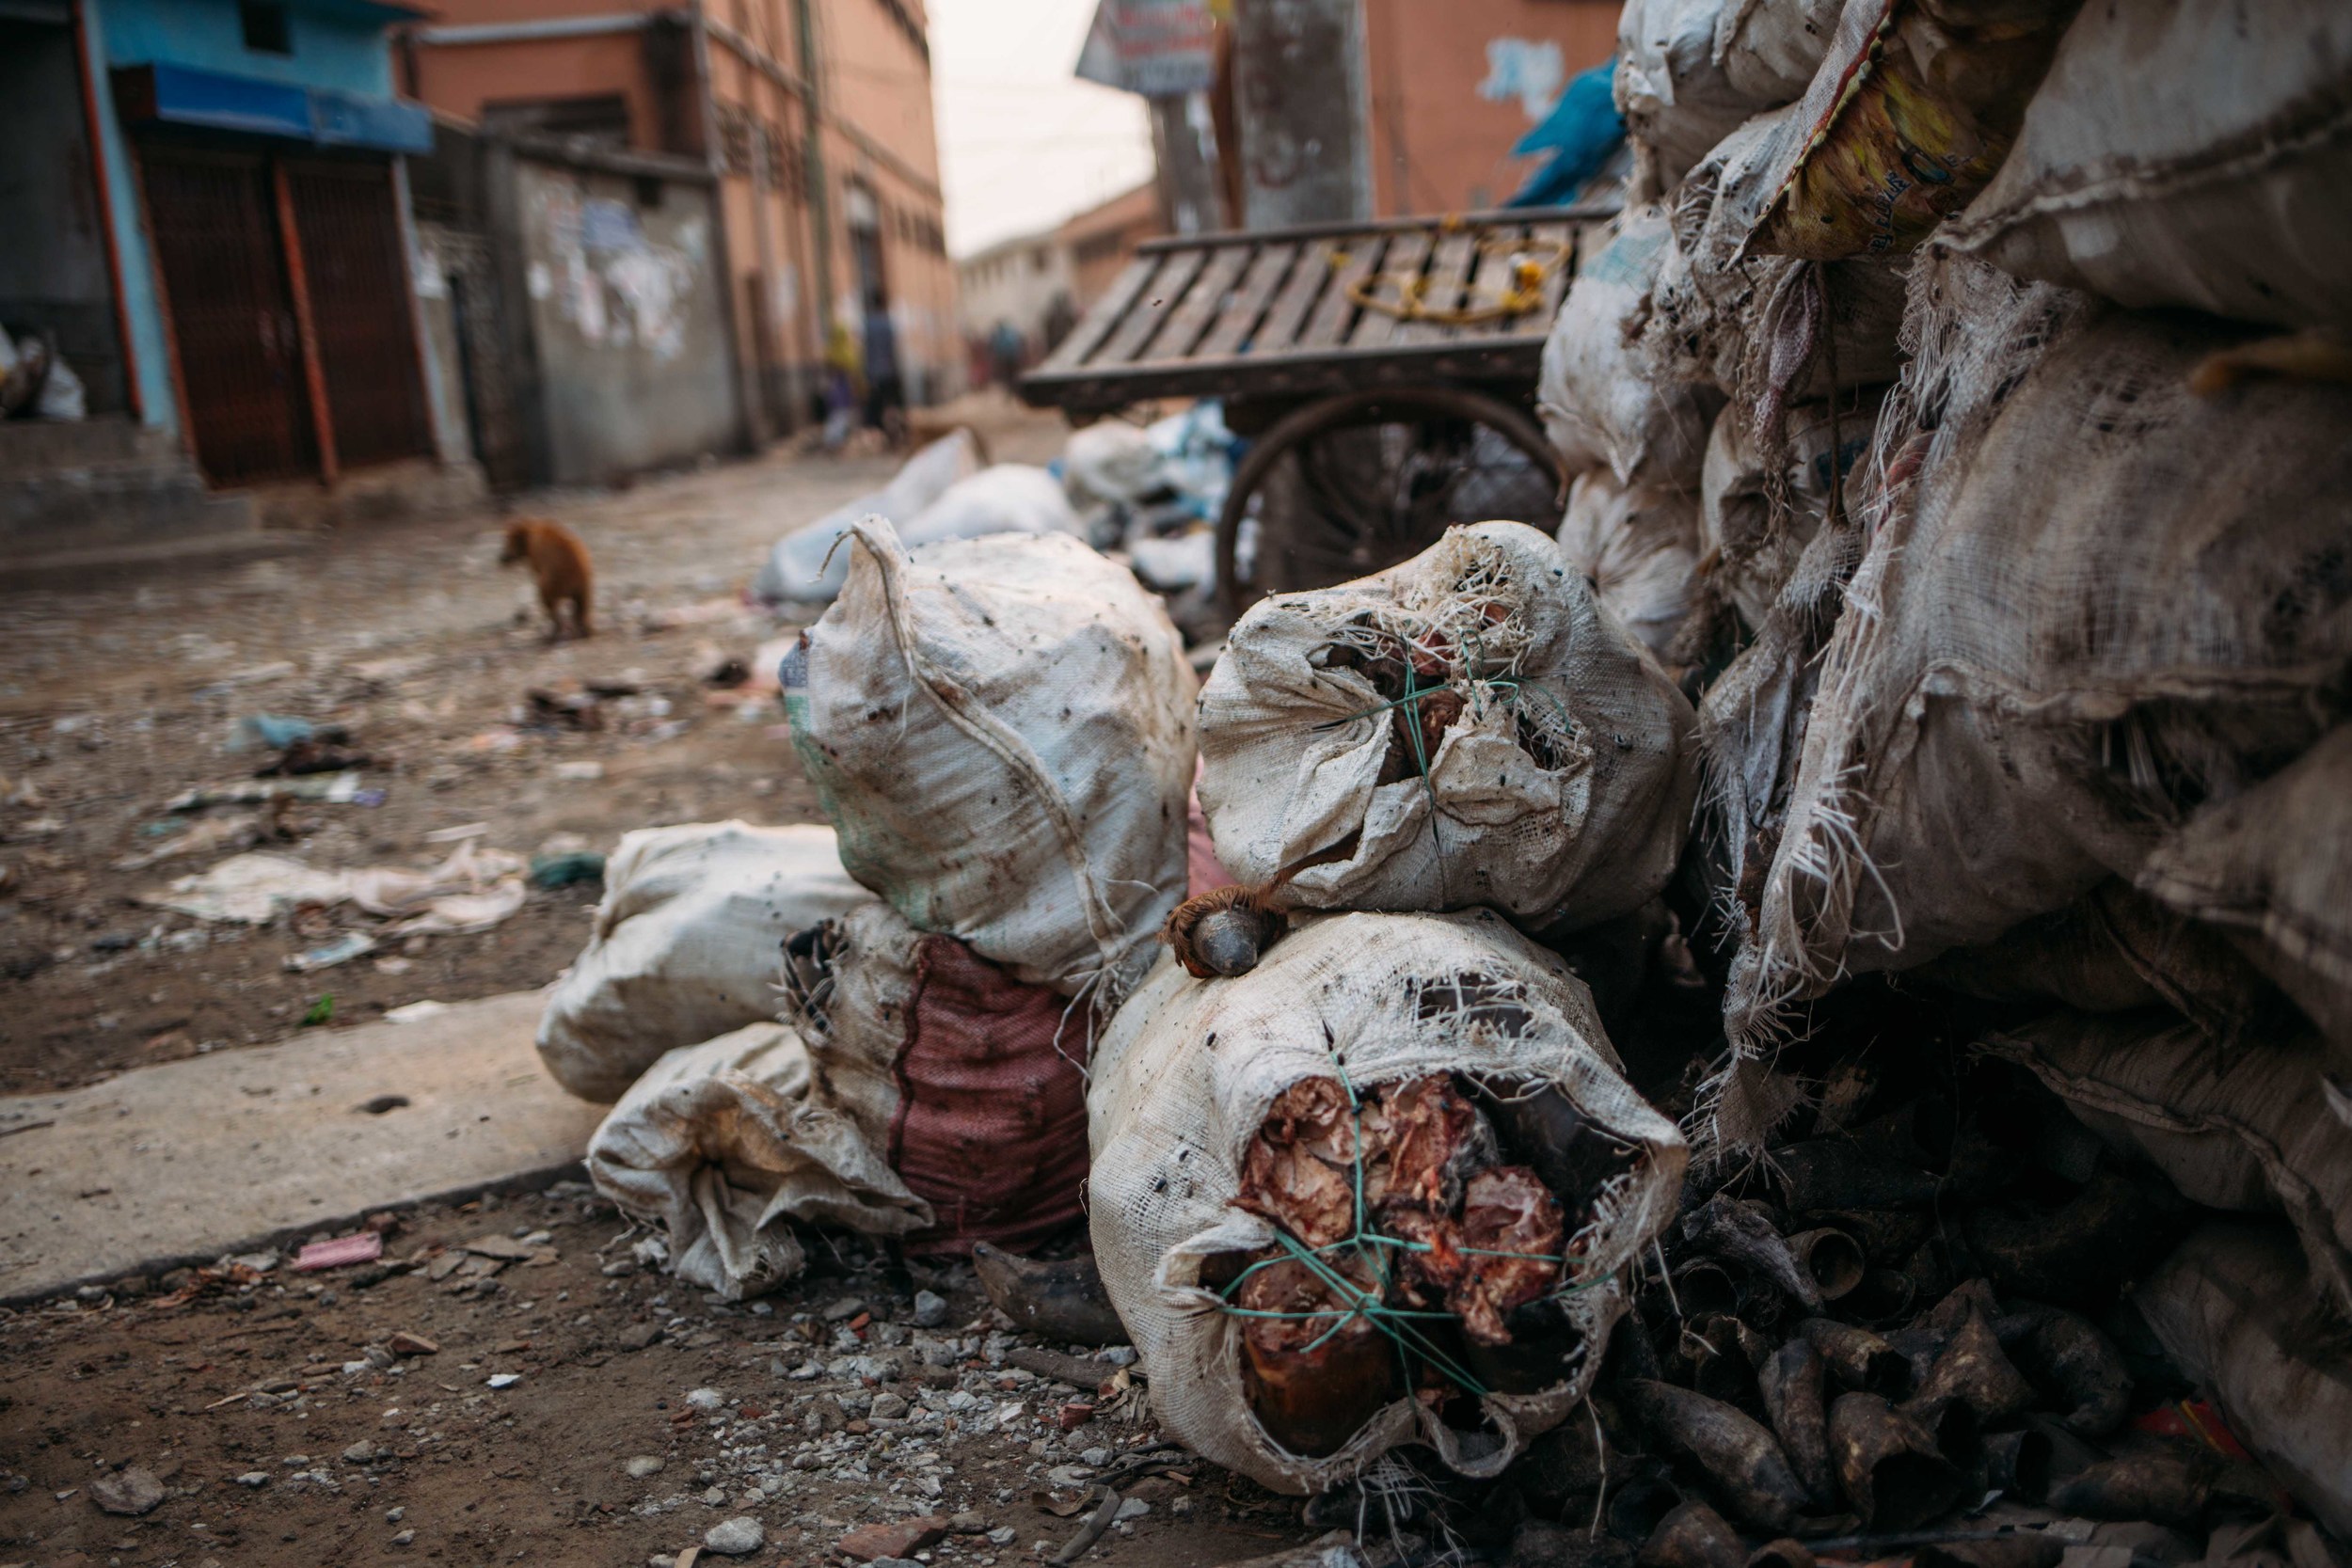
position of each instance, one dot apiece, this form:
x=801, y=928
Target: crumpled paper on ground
x=472, y=891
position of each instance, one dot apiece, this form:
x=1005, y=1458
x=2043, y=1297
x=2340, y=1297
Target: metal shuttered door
x=240, y=356
x=350, y=236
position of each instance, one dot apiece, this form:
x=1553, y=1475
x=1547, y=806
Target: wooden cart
x=1377, y=415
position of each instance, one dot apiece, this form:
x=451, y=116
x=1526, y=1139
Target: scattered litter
x=415, y=1012
x=459, y=833
x=503, y=1379
x=354, y=945
x=472, y=891
x=579, y=771
x=333, y=789
x=363, y=1246
x=210, y=836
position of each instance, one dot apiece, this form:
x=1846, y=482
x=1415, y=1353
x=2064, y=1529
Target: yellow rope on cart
x=1410, y=290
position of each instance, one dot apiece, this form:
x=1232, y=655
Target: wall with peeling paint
x=623, y=277
x=1451, y=87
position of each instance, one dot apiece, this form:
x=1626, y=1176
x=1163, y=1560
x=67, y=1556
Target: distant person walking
x=885, y=393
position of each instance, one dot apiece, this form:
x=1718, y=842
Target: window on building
x=601, y=120
x=266, y=27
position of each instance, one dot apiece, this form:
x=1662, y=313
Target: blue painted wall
x=336, y=45
x=332, y=47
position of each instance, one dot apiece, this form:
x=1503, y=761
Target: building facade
x=815, y=117
x=1040, y=284
x=207, y=210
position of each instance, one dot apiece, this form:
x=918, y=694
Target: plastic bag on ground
x=685, y=945
x=1010, y=497
x=2259, y=1128
x=1638, y=547
x=2090, y=612
x=1002, y=731
x=1186, y=1078
x=722, y=1144
x=2216, y=182
x=1549, y=774
x=805, y=566
x=1910, y=115
x=1596, y=407
x=2234, y=1310
x=966, y=1081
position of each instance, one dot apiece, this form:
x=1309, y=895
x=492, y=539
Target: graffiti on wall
x=1530, y=71
x=618, y=285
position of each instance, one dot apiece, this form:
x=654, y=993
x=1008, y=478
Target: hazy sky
x=1022, y=143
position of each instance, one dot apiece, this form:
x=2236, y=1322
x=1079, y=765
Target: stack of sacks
x=1001, y=730
x=2071, y=667
x=1471, y=730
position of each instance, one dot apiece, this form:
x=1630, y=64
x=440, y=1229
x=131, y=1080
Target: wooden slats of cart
x=1283, y=312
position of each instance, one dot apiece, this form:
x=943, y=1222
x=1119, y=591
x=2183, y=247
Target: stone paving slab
x=184, y=1161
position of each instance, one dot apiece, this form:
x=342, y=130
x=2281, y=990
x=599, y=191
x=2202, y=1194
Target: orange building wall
x=1437, y=145
x=459, y=80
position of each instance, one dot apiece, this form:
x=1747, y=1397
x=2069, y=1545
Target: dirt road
x=115, y=700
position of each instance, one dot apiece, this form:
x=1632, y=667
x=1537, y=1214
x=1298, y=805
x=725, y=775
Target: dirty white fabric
x=2234, y=1310
x=722, y=1143
x=1754, y=518
x=2216, y=182
x=1002, y=731
x=470, y=892
x=806, y=567
x=1597, y=408
x=1672, y=85
x=1761, y=328
x=2258, y=1127
x=1010, y=497
x=1170, y=1114
x=2274, y=868
x=1770, y=49
x=1638, y=546
x=2092, y=611
x=685, y=945
x=1561, y=792
x=1110, y=461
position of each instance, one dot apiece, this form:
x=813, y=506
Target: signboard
x=1157, y=48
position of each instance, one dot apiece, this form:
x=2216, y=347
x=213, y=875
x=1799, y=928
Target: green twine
x=1394, y=1322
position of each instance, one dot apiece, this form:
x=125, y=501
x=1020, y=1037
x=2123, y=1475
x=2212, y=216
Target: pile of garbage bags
x=1812, y=1006
x=1148, y=496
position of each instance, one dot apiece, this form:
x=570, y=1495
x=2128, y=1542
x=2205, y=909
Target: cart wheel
x=1360, y=482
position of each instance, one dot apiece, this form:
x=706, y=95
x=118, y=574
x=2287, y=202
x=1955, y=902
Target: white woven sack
x=1560, y=793
x=2235, y=1312
x=1638, y=546
x=1762, y=327
x=810, y=563
x=2274, y=868
x=1755, y=523
x=684, y=946
x=1671, y=83
x=722, y=1143
x=2259, y=1129
x=2095, y=610
x=2218, y=181
x=1598, y=406
x=1010, y=497
x=1769, y=49
x=1001, y=729
x=1182, y=1081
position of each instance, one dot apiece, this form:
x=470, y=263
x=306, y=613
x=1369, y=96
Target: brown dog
x=559, y=563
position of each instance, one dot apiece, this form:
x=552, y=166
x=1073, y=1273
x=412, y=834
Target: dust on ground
x=115, y=699
x=576, y=1409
